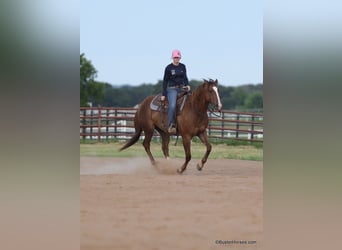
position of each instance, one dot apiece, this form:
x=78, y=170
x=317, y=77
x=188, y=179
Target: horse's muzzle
x=219, y=107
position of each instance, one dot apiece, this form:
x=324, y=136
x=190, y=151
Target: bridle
x=212, y=110
x=212, y=107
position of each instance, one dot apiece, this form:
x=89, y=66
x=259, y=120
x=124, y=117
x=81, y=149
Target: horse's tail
x=133, y=140
x=136, y=136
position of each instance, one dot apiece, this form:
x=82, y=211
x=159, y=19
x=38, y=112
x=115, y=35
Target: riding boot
x=172, y=130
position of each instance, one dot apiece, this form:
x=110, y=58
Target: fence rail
x=103, y=123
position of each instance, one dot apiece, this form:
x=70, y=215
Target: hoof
x=179, y=171
x=199, y=167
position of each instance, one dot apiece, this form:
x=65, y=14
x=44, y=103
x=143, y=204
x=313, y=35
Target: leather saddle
x=157, y=105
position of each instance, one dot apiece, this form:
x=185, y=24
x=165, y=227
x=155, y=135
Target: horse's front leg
x=186, y=145
x=165, y=138
x=204, y=138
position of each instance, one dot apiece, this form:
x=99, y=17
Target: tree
x=226, y=97
x=238, y=97
x=254, y=101
x=90, y=90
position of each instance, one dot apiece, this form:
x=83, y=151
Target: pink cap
x=176, y=53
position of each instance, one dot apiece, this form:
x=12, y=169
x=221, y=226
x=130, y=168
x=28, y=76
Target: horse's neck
x=198, y=101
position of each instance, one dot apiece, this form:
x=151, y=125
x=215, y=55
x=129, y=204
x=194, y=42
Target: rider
x=174, y=79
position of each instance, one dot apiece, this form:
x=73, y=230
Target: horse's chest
x=195, y=123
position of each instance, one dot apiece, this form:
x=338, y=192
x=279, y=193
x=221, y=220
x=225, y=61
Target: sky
x=130, y=42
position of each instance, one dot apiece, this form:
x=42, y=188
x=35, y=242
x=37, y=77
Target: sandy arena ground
x=128, y=204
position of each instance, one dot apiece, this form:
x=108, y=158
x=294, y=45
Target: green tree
x=254, y=101
x=226, y=97
x=90, y=90
x=158, y=88
x=238, y=97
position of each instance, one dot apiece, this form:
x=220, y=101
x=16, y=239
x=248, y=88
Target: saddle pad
x=156, y=103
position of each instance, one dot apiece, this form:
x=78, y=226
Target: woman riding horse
x=174, y=79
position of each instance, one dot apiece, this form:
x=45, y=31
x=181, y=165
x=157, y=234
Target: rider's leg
x=172, y=97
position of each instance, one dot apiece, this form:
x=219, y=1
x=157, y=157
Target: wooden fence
x=103, y=123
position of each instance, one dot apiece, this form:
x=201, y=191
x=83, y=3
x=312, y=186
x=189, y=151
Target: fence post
x=209, y=127
x=222, y=125
x=115, y=122
x=99, y=123
x=84, y=123
x=107, y=123
x=252, y=128
x=91, y=123
x=237, y=126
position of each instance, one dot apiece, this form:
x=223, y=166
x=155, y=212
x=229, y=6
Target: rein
x=211, y=109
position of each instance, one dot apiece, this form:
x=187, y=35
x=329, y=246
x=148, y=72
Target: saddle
x=157, y=105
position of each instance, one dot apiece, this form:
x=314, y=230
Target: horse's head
x=212, y=93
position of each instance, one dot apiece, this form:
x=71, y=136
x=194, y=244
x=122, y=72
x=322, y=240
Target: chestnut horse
x=191, y=122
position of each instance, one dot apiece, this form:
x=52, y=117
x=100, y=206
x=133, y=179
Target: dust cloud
x=131, y=166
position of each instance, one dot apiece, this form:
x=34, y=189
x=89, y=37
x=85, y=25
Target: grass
x=220, y=150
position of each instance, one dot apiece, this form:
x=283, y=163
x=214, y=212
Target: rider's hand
x=188, y=87
x=162, y=98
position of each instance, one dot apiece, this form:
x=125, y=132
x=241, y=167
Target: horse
x=191, y=122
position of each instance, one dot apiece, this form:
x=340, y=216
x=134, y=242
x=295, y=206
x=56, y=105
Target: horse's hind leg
x=204, y=138
x=146, y=143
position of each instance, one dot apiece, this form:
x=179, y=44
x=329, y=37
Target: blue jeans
x=172, y=97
